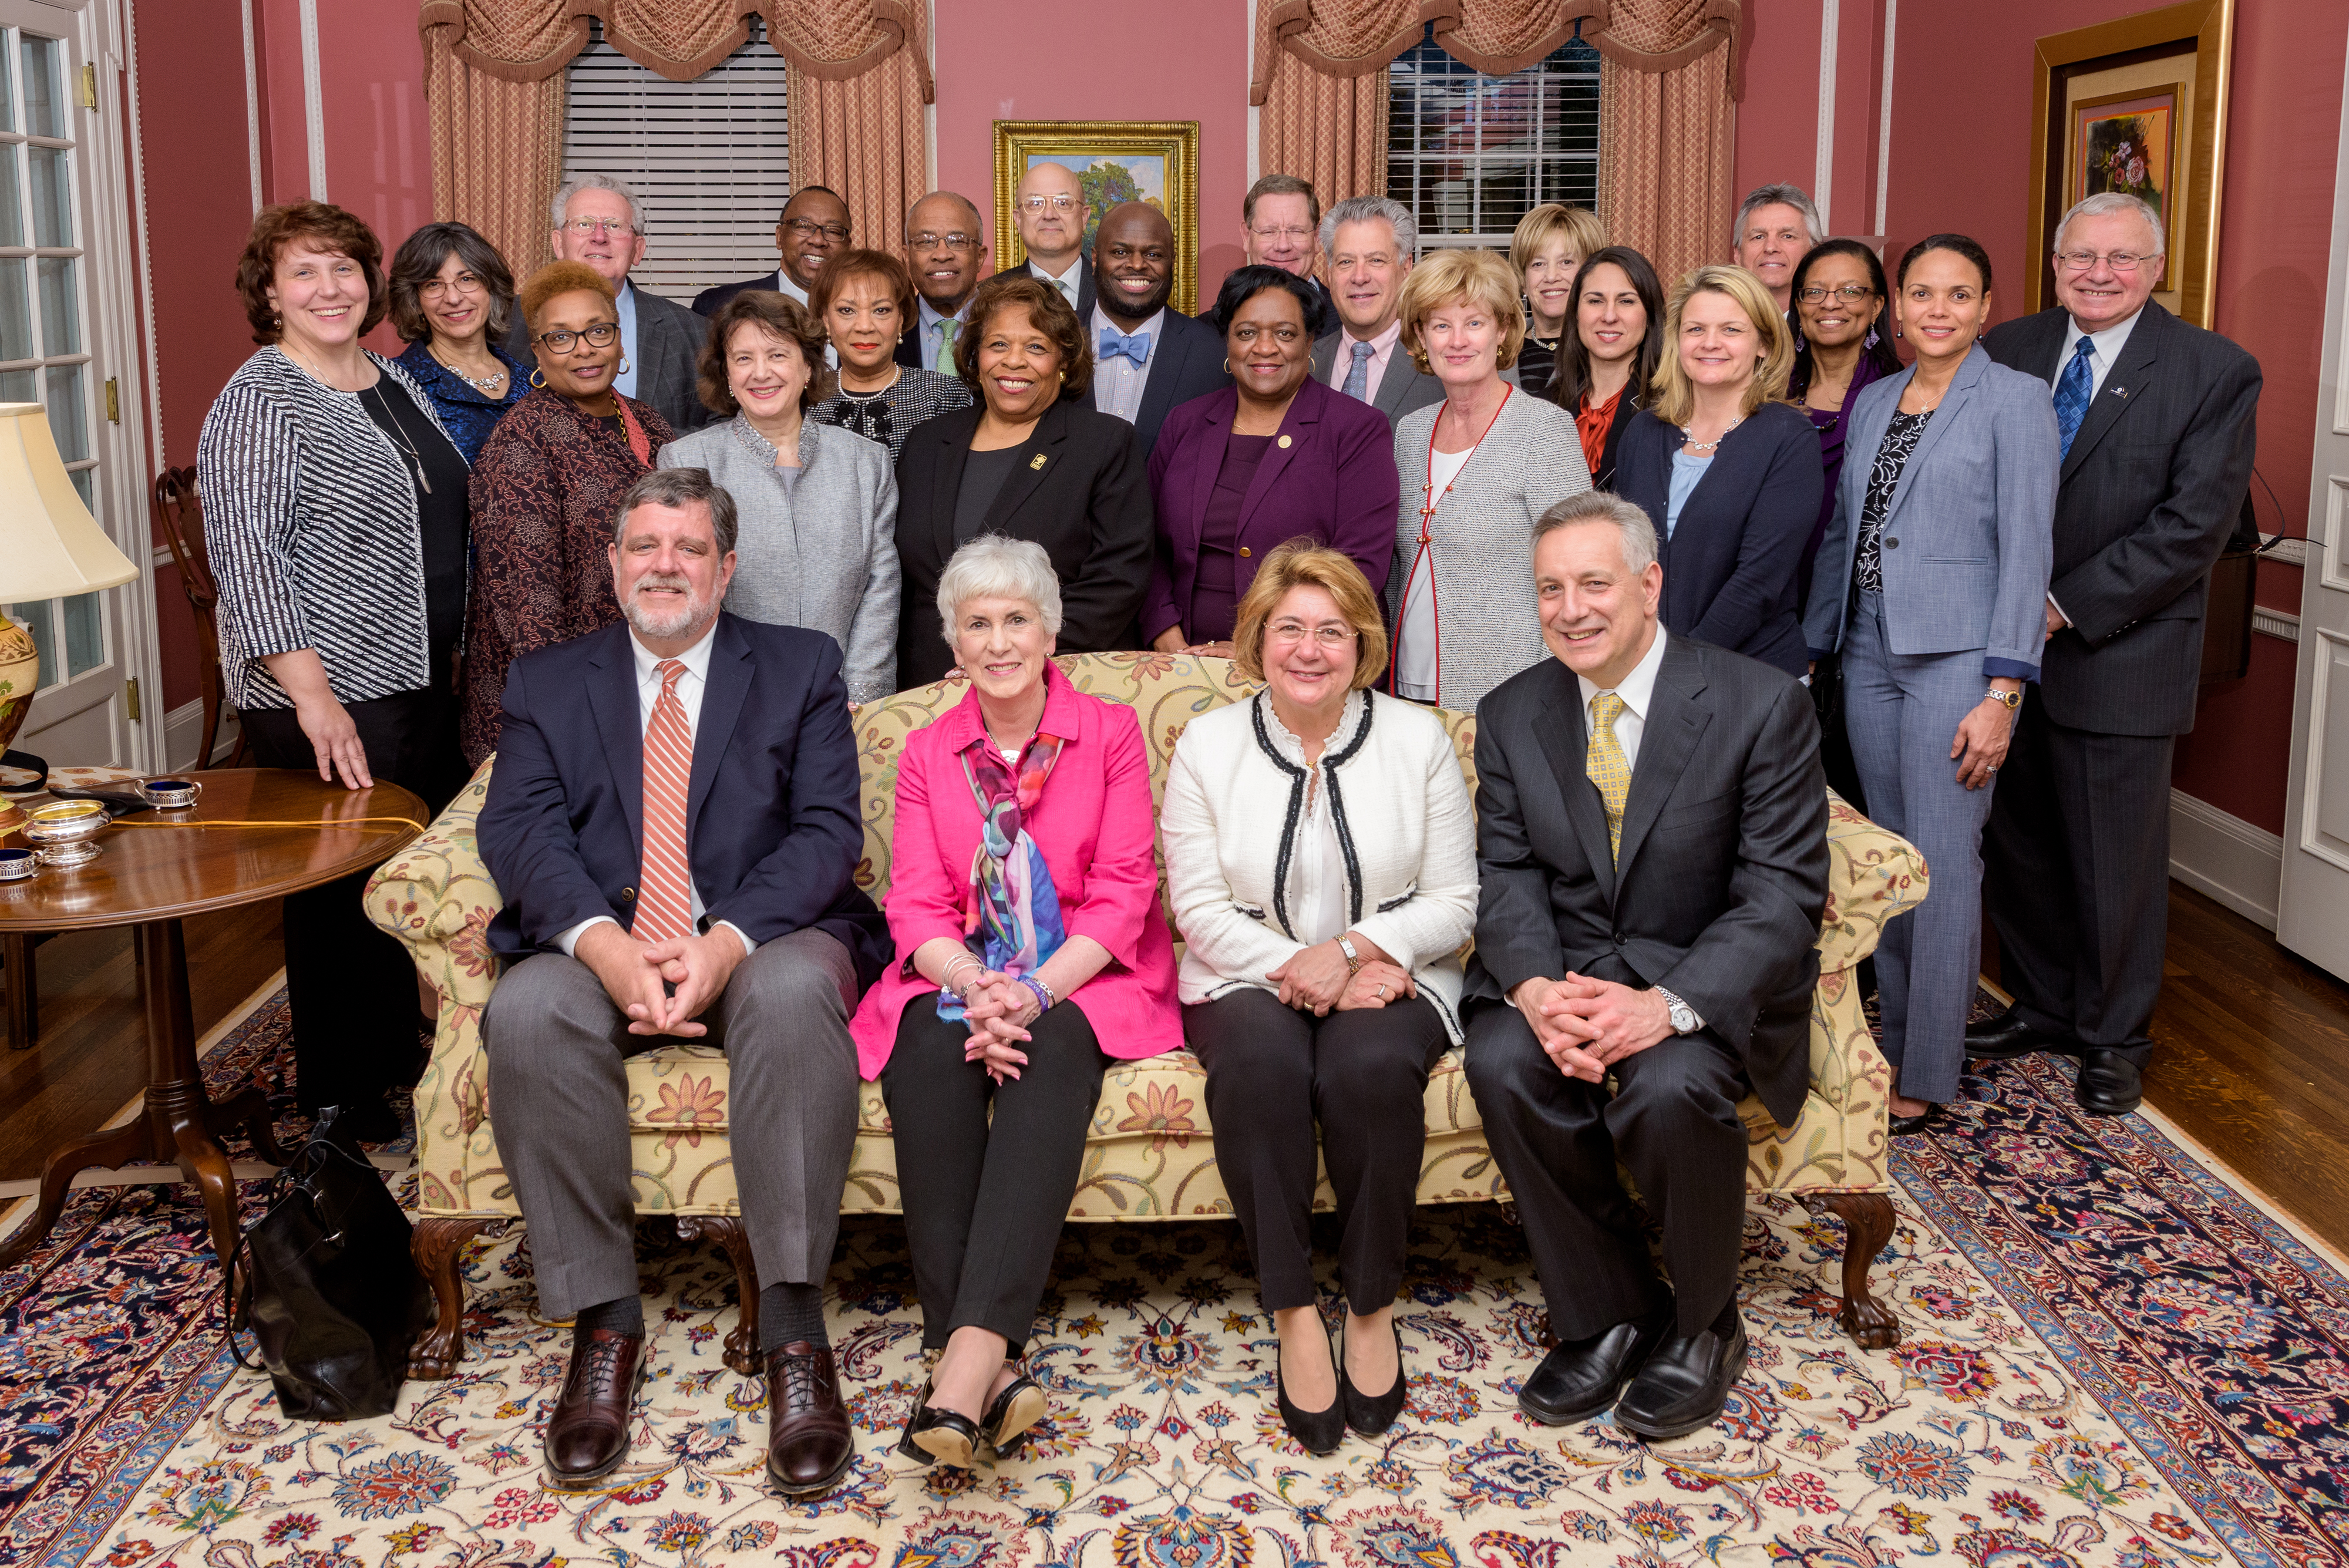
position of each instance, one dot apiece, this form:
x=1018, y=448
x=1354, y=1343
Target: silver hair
x=558, y=213
x=1361, y=210
x=1792, y=196
x=2105, y=201
x=680, y=488
x=1604, y=506
x=994, y=568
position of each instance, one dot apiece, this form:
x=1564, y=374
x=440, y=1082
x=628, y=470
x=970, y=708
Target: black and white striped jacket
x=310, y=518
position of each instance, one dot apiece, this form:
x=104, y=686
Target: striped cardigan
x=310, y=518
x=1488, y=621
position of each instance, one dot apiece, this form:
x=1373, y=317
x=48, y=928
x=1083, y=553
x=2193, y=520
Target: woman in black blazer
x=1030, y=462
x=1729, y=473
x=1606, y=360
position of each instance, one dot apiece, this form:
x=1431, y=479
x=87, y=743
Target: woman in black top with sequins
x=863, y=300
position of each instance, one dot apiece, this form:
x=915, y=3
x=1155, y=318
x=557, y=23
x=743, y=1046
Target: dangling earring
x=624, y=365
x=537, y=376
x=1871, y=340
x=1799, y=345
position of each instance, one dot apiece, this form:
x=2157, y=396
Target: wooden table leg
x=182, y=1118
x=24, y=993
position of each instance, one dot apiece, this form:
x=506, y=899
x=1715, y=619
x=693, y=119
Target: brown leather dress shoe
x=587, y=1435
x=809, y=1445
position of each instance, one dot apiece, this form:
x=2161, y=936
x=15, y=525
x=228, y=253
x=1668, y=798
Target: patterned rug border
x=2125, y=1407
x=2240, y=1186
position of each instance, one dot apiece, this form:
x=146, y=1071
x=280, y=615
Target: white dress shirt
x=2109, y=343
x=1066, y=282
x=1382, y=350
x=1638, y=691
x=790, y=290
x=690, y=686
x=1118, y=383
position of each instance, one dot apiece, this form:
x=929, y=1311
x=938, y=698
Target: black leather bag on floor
x=324, y=1281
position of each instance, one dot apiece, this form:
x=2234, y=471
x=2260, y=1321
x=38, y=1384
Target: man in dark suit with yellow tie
x=1652, y=836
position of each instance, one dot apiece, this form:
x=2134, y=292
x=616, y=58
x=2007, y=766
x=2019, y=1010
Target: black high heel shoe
x=1367, y=1415
x=939, y=1437
x=1318, y=1432
x=1019, y=1407
x=906, y=1439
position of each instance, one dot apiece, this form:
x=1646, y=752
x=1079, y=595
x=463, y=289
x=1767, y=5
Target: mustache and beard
x=697, y=610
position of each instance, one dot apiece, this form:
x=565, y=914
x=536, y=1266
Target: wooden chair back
x=180, y=518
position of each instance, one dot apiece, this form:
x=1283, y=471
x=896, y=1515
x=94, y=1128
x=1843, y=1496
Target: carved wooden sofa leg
x=1868, y=1225
x=439, y=1241
x=742, y=1346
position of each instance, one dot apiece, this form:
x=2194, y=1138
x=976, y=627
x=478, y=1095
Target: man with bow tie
x=1148, y=357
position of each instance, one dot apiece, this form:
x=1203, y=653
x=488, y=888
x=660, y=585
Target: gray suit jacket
x=2151, y=489
x=1718, y=889
x=1973, y=515
x=1400, y=389
x=666, y=350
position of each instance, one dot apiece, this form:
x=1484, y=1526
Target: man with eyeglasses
x=1049, y=208
x=1147, y=356
x=597, y=221
x=946, y=254
x=813, y=228
x=2155, y=420
x=1280, y=224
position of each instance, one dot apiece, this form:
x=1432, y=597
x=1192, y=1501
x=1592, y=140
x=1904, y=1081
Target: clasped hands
x=1586, y=1025
x=662, y=988
x=1315, y=979
x=999, y=1009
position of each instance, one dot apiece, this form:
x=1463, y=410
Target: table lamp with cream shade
x=50, y=548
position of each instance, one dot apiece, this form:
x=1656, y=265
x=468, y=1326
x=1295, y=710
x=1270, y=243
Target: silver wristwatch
x=1684, y=1016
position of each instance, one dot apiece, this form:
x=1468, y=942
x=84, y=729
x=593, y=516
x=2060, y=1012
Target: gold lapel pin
x=1284, y=443
x=1036, y=462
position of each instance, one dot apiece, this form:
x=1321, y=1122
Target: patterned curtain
x=859, y=77
x=1667, y=79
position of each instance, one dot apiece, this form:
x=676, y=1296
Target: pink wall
x=1153, y=61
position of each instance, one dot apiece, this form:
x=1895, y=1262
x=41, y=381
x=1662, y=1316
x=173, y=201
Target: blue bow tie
x=1114, y=343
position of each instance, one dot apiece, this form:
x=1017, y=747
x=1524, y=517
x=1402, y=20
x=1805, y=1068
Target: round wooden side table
x=155, y=869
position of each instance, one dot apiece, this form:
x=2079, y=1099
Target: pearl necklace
x=479, y=384
x=1694, y=447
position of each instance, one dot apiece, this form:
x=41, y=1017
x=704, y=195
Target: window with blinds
x=1471, y=154
x=710, y=159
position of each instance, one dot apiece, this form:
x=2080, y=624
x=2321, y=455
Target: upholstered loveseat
x=1149, y=1156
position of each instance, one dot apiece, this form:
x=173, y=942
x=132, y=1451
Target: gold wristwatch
x=1353, y=958
x=2011, y=699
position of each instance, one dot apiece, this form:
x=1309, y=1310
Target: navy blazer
x=1186, y=362
x=774, y=829
x=1334, y=479
x=1729, y=567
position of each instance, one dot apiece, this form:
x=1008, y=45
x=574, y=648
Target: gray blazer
x=1488, y=621
x=1400, y=389
x=820, y=554
x=1969, y=536
x=666, y=350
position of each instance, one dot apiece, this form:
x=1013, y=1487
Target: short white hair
x=2105, y=201
x=1792, y=196
x=559, y=212
x=994, y=568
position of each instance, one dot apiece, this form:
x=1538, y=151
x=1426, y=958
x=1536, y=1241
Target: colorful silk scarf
x=1009, y=905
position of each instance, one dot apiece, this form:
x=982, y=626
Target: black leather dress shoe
x=587, y=1435
x=1370, y=1414
x=1925, y=1120
x=2110, y=1085
x=809, y=1445
x=1683, y=1384
x=1580, y=1379
x=1009, y=1414
x=2005, y=1037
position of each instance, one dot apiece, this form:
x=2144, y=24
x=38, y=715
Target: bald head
x=1133, y=263
x=1050, y=205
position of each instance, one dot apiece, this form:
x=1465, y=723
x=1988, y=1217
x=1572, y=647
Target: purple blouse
x=1831, y=427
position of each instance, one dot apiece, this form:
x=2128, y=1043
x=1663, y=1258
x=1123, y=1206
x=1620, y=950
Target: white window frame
x=1415, y=72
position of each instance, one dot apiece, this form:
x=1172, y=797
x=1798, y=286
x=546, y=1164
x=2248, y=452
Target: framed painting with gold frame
x=2139, y=105
x=1152, y=160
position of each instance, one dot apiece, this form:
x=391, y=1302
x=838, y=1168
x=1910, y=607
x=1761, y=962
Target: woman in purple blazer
x=1272, y=457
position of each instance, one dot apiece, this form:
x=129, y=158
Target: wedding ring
x=1382, y=991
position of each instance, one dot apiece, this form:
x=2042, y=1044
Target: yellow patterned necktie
x=1604, y=760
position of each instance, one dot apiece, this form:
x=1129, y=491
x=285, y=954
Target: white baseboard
x=184, y=732
x=2224, y=857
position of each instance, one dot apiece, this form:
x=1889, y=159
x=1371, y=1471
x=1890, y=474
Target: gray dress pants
x=558, y=1083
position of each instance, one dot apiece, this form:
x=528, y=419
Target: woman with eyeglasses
x=1320, y=975
x=451, y=299
x=544, y=490
x=1843, y=342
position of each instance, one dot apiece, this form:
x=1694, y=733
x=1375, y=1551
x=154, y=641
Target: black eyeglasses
x=600, y=336
x=809, y=229
x=1850, y=293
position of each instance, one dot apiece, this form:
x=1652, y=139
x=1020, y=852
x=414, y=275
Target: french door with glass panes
x=63, y=322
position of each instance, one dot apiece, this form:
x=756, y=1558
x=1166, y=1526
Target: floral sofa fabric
x=1149, y=1156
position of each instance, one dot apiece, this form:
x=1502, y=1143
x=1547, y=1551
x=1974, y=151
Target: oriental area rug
x=2110, y=1357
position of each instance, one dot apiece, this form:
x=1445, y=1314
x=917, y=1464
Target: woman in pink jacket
x=1023, y=898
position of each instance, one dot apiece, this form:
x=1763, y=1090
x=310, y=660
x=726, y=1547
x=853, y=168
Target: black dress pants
x=1272, y=1072
x=1672, y=1122
x=2076, y=862
x=984, y=1199
x=351, y=988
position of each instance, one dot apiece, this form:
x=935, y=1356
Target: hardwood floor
x=2253, y=1060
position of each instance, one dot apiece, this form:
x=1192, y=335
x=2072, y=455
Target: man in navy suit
x=673, y=824
x=1147, y=356
x=815, y=227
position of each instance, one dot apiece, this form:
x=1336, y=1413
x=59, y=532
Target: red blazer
x=1094, y=823
x=1335, y=480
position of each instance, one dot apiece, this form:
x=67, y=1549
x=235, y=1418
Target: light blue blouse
x=1686, y=471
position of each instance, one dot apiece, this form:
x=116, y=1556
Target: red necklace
x=1429, y=502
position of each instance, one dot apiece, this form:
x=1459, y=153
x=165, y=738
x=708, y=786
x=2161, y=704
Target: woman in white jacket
x=1321, y=860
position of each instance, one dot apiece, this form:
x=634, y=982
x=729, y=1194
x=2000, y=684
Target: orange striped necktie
x=664, y=885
